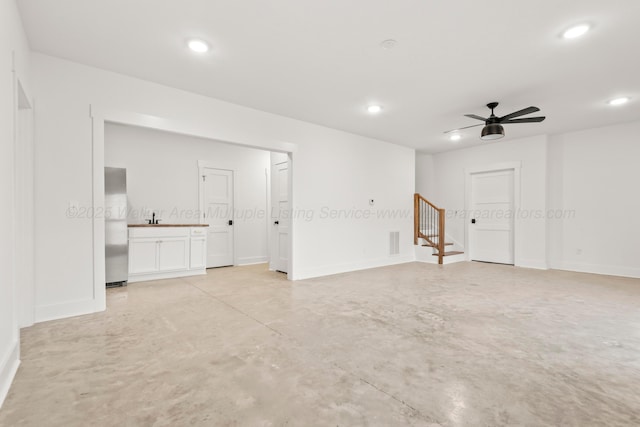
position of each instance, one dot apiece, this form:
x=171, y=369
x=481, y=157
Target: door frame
x=205, y=164
x=23, y=209
x=517, y=222
x=273, y=235
x=184, y=126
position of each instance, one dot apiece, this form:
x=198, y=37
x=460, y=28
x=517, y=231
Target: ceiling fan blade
x=525, y=120
x=519, y=113
x=466, y=127
x=473, y=116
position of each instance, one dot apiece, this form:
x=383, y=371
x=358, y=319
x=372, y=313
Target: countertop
x=168, y=225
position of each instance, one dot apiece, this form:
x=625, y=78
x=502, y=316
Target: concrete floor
x=416, y=344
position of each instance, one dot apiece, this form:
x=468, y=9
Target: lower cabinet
x=198, y=250
x=165, y=252
x=198, y=257
x=173, y=254
x=143, y=256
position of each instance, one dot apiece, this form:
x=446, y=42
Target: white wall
x=425, y=175
x=595, y=174
x=13, y=43
x=162, y=175
x=449, y=193
x=331, y=169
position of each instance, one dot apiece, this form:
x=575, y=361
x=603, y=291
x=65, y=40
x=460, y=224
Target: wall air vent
x=394, y=243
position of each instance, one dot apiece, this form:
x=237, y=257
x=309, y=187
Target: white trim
x=97, y=203
x=8, y=368
x=273, y=232
x=355, y=266
x=45, y=313
x=292, y=225
x=250, y=260
x=517, y=223
x=202, y=129
x=493, y=167
x=204, y=164
x=206, y=129
x=23, y=193
x=602, y=269
x=537, y=264
x=167, y=275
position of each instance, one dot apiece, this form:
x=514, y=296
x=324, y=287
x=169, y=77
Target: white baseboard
x=609, y=270
x=8, y=368
x=45, y=313
x=249, y=260
x=168, y=275
x=532, y=263
x=345, y=268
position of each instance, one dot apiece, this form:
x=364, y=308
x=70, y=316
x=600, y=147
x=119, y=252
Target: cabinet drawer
x=199, y=231
x=146, y=232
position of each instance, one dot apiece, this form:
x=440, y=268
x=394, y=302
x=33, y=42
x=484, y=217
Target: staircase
x=428, y=225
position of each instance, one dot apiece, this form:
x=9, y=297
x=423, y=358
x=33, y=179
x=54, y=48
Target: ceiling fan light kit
x=493, y=128
x=492, y=131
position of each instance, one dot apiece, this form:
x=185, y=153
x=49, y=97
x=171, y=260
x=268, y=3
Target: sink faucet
x=153, y=220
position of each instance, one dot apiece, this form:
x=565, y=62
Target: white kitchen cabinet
x=173, y=254
x=163, y=252
x=198, y=250
x=143, y=256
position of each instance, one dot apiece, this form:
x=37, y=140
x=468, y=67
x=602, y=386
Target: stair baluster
x=429, y=224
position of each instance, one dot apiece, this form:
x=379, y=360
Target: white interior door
x=280, y=216
x=492, y=217
x=217, y=201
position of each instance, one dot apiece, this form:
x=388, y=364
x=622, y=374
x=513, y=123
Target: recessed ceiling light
x=619, y=101
x=198, y=46
x=374, y=109
x=455, y=137
x=576, y=31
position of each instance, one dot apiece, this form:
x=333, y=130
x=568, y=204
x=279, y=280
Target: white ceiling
x=321, y=60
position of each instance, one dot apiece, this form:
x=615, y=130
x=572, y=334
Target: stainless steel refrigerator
x=115, y=224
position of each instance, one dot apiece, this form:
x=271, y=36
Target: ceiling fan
x=493, y=125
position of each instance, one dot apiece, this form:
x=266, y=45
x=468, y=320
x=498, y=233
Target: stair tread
x=435, y=246
x=450, y=253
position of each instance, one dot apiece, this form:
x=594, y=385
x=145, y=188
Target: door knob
x=230, y=222
x=473, y=221
x=276, y=222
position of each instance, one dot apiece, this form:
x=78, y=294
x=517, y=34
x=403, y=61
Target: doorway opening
x=251, y=219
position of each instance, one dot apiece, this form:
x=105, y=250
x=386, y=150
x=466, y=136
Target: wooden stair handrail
x=438, y=243
x=419, y=197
